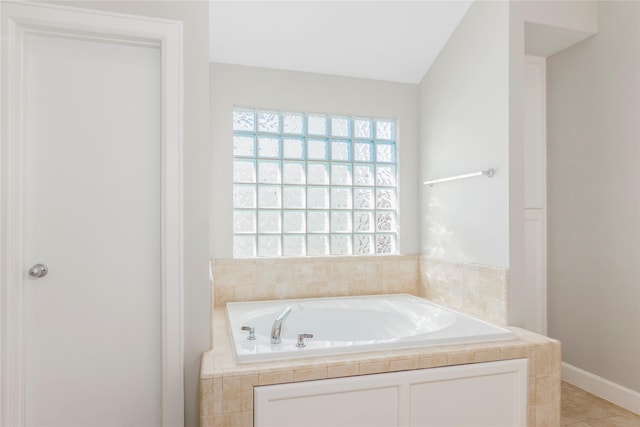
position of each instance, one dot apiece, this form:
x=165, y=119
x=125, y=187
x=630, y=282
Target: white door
x=90, y=174
x=92, y=325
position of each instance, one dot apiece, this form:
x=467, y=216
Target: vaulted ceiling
x=383, y=40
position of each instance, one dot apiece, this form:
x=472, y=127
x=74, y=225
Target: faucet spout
x=276, y=329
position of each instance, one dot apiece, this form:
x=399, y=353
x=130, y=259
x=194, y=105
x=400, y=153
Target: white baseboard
x=601, y=387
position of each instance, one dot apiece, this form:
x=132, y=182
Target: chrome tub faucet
x=276, y=329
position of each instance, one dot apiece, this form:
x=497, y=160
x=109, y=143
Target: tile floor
x=582, y=409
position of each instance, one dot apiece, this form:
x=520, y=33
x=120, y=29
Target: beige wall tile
x=248, y=382
x=310, y=374
x=531, y=415
x=404, y=364
x=543, y=361
x=266, y=279
x=237, y=419
x=231, y=394
x=544, y=416
x=207, y=421
x=475, y=289
x=513, y=352
x=545, y=390
x=433, y=361
x=460, y=357
x=206, y=397
x=217, y=397
x=277, y=377
x=487, y=355
x=374, y=367
x=338, y=370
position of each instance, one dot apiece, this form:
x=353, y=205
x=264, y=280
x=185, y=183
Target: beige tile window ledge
x=226, y=388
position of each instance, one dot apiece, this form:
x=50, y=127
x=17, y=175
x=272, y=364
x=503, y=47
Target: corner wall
x=593, y=115
x=464, y=127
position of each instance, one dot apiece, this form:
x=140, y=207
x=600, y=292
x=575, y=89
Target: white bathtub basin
x=351, y=324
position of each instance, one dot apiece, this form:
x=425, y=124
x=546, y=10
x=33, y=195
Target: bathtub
x=351, y=324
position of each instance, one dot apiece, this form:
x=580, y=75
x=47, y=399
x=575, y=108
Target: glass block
x=244, y=196
x=341, y=150
x=385, y=198
x=341, y=126
x=268, y=121
x=293, y=123
x=340, y=174
x=317, y=149
x=244, y=221
x=269, y=246
x=316, y=125
x=293, y=197
x=386, y=175
x=269, y=222
x=340, y=244
x=317, y=198
x=363, y=174
x=363, y=151
x=269, y=197
x=363, y=244
x=385, y=222
x=293, y=148
x=244, y=246
x=341, y=198
x=385, y=129
x=293, y=245
x=293, y=173
x=385, y=244
x=294, y=222
x=244, y=170
x=317, y=222
x=341, y=221
x=317, y=245
x=269, y=172
x=244, y=146
x=244, y=120
x=385, y=153
x=268, y=146
x=363, y=198
x=363, y=222
x=318, y=173
x=362, y=128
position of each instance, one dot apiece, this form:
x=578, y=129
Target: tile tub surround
x=287, y=278
x=226, y=388
x=478, y=290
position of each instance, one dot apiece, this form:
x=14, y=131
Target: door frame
x=536, y=210
x=18, y=19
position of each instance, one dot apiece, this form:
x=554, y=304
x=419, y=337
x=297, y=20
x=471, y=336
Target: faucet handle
x=252, y=332
x=301, y=337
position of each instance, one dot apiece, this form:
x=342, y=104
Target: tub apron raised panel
x=482, y=394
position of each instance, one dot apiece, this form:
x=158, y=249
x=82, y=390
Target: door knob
x=38, y=270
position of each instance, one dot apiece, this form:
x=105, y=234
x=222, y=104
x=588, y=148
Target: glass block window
x=307, y=184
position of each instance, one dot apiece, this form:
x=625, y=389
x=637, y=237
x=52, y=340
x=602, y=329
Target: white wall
x=464, y=127
x=471, y=118
x=593, y=115
x=552, y=26
x=196, y=168
x=236, y=85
